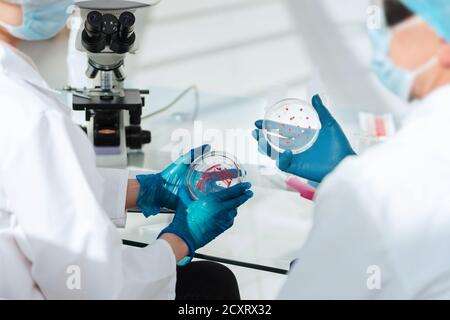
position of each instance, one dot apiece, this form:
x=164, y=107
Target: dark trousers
x=204, y=280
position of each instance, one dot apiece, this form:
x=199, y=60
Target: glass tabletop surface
x=271, y=228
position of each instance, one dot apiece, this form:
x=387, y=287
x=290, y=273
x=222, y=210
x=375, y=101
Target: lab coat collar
x=16, y=64
x=437, y=102
x=439, y=93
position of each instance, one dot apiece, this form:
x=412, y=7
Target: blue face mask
x=42, y=19
x=399, y=81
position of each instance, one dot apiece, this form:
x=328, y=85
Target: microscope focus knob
x=146, y=137
x=136, y=137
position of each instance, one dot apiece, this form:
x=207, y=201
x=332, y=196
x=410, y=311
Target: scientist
x=382, y=220
x=56, y=237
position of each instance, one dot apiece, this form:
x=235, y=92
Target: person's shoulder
x=380, y=169
x=23, y=102
x=395, y=182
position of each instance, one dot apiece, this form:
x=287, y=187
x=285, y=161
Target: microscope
x=112, y=112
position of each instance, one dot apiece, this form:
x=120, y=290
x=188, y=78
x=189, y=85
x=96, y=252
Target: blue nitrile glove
x=161, y=190
x=315, y=163
x=201, y=221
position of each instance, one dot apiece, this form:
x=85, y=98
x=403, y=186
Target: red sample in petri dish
x=291, y=124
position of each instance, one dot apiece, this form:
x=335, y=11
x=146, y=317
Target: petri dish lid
x=291, y=124
x=213, y=172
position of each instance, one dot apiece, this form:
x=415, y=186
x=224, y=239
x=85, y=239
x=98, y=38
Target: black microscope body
x=107, y=36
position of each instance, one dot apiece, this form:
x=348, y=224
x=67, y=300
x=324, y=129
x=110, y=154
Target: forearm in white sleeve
x=114, y=197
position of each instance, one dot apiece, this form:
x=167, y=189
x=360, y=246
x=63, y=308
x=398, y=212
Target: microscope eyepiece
x=101, y=30
x=124, y=40
x=127, y=21
x=93, y=38
x=94, y=20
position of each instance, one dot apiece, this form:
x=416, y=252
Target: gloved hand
x=201, y=221
x=315, y=163
x=162, y=190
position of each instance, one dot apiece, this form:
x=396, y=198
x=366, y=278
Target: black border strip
x=220, y=260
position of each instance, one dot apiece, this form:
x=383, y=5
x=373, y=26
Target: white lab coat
x=382, y=221
x=57, y=240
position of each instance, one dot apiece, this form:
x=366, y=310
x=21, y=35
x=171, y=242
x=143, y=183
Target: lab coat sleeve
x=114, y=198
x=75, y=252
x=345, y=256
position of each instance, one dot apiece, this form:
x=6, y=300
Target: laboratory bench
x=271, y=228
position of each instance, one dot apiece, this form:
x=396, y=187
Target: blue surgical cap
x=435, y=12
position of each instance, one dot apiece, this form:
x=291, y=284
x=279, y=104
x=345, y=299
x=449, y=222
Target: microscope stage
x=131, y=100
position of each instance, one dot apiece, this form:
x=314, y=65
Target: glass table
x=271, y=228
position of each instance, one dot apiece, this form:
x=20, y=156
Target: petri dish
x=291, y=124
x=212, y=172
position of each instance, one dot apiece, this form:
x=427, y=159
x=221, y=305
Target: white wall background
x=249, y=47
